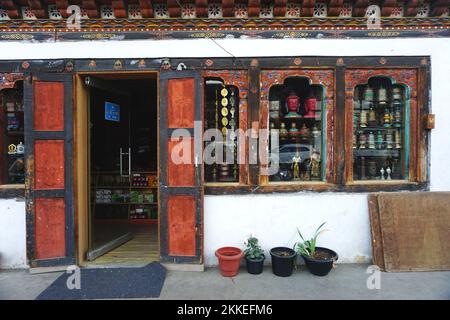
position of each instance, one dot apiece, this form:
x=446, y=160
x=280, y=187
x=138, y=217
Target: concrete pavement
x=347, y=281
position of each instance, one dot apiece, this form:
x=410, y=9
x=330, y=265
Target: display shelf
x=379, y=131
x=134, y=199
x=376, y=153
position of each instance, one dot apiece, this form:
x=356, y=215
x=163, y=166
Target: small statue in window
x=315, y=165
x=296, y=160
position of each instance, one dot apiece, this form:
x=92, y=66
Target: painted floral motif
x=240, y=11
x=54, y=13
x=214, y=10
x=27, y=13
x=188, y=11
x=358, y=76
x=161, y=11
x=324, y=77
x=3, y=14
x=397, y=12
x=293, y=10
x=134, y=11
x=107, y=12
x=320, y=10
x=346, y=11
x=266, y=11
x=423, y=10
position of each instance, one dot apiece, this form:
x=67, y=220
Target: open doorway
x=122, y=168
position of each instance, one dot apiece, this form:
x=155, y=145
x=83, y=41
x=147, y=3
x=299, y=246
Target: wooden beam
x=91, y=8
x=146, y=8
x=360, y=8
x=173, y=6
x=120, y=10
x=411, y=8
x=254, y=8
x=228, y=8
x=201, y=8
x=335, y=7
x=439, y=7
x=279, y=8
x=308, y=8
x=11, y=8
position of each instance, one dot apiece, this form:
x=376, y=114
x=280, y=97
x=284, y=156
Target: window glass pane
x=295, y=113
x=13, y=166
x=221, y=122
x=379, y=131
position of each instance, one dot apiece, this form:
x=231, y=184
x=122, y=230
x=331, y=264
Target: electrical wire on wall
x=218, y=45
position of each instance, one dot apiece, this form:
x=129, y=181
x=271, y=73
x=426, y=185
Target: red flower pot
x=229, y=260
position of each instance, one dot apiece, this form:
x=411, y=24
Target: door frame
x=81, y=157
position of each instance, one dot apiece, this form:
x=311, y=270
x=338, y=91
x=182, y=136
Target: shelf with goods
x=222, y=104
x=379, y=135
x=13, y=139
x=138, y=199
x=296, y=115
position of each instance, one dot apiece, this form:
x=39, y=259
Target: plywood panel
x=50, y=228
x=49, y=164
x=415, y=230
x=48, y=106
x=181, y=225
x=181, y=103
x=180, y=162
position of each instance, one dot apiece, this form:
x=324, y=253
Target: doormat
x=108, y=283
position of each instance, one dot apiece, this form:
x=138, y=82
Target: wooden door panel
x=48, y=106
x=181, y=104
x=49, y=164
x=50, y=228
x=181, y=174
x=181, y=222
x=49, y=161
x=181, y=178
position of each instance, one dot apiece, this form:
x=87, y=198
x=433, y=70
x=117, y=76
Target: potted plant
x=254, y=256
x=318, y=260
x=229, y=260
x=283, y=259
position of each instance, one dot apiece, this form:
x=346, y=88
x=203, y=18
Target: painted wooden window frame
x=238, y=79
x=406, y=77
x=419, y=179
x=323, y=77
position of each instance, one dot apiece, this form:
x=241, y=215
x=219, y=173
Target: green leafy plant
x=308, y=247
x=253, y=250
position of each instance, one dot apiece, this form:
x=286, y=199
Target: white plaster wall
x=12, y=234
x=274, y=218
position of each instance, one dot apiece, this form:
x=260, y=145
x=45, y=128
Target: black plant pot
x=282, y=264
x=255, y=266
x=321, y=267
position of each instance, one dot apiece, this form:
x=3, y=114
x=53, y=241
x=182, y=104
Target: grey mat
x=110, y=283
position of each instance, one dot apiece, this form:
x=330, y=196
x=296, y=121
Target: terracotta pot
x=229, y=260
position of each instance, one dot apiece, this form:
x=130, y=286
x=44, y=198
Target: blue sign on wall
x=112, y=111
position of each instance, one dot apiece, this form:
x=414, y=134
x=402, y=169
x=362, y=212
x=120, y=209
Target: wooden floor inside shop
x=143, y=248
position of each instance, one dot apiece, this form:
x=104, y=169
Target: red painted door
x=181, y=174
x=48, y=150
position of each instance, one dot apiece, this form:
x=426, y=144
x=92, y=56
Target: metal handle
x=129, y=162
x=120, y=157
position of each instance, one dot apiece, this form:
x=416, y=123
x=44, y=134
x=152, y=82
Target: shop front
x=167, y=142
x=102, y=182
